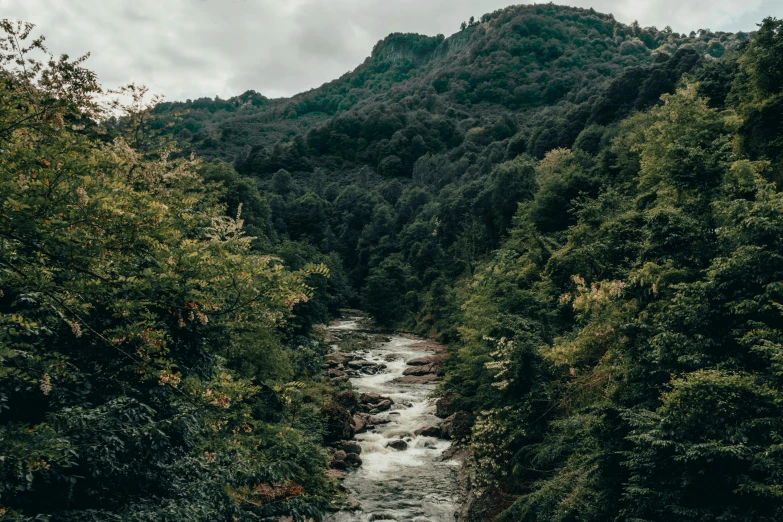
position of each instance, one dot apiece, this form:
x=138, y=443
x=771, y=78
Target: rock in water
x=417, y=379
x=384, y=405
x=420, y=361
x=397, y=444
x=349, y=446
x=335, y=358
x=370, y=398
x=353, y=460
x=360, y=422
x=429, y=431
x=419, y=370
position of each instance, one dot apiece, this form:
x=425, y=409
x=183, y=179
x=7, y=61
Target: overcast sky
x=192, y=48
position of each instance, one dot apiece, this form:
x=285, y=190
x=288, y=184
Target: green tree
x=124, y=292
x=385, y=294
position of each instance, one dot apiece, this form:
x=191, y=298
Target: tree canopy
x=142, y=353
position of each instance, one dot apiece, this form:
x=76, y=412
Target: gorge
x=566, y=230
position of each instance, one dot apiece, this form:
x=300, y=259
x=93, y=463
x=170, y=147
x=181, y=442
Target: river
x=415, y=484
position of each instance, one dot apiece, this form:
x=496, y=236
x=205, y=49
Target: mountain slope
x=519, y=59
x=440, y=113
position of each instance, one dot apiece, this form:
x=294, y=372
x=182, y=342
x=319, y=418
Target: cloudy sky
x=192, y=48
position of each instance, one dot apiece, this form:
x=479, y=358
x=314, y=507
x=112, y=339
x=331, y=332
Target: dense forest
x=586, y=212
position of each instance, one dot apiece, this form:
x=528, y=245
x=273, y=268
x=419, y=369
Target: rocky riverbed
x=399, y=465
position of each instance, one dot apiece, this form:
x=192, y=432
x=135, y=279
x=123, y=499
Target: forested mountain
x=587, y=212
x=412, y=166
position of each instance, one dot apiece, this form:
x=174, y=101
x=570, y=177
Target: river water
x=415, y=484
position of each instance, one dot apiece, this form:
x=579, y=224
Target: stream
x=414, y=484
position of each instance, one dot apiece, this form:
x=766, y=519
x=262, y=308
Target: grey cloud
x=195, y=48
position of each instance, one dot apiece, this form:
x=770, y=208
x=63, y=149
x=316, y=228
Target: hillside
x=519, y=60
x=426, y=113
x=587, y=213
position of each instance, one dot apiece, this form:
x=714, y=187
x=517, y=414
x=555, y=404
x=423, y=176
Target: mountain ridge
x=380, y=78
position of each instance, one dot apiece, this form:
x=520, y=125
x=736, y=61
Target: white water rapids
x=410, y=485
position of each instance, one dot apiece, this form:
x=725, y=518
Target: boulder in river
x=416, y=379
x=360, y=363
x=339, y=455
x=349, y=446
x=360, y=422
x=370, y=398
x=424, y=361
x=384, y=405
x=397, y=444
x=374, y=401
x=338, y=460
x=373, y=369
x=335, y=359
x=353, y=460
x=335, y=375
x=456, y=452
x=420, y=370
x=429, y=431
x=364, y=421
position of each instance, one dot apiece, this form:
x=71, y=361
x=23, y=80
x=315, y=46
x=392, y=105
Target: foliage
x=139, y=328
x=587, y=211
x=652, y=388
